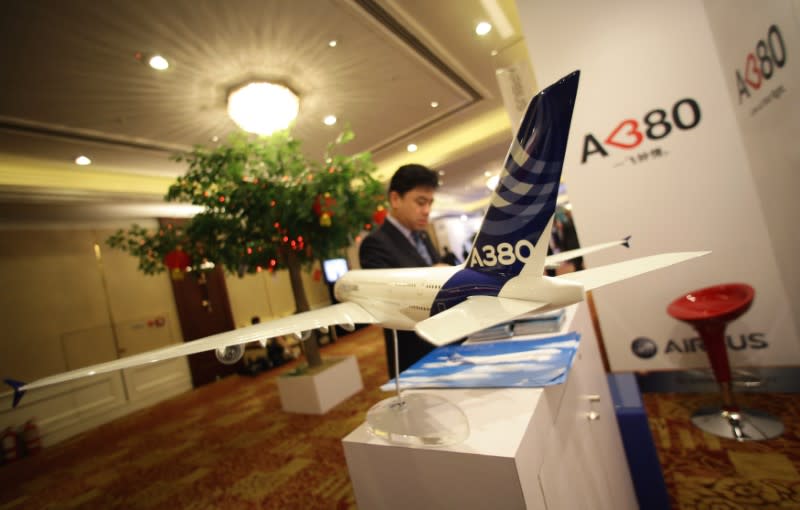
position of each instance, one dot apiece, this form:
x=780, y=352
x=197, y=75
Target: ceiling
x=74, y=82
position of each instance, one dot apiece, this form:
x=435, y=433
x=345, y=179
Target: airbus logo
x=644, y=347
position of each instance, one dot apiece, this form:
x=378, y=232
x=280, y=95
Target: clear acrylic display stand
x=416, y=419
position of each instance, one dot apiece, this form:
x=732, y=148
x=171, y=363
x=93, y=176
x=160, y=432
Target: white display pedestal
x=317, y=393
x=554, y=447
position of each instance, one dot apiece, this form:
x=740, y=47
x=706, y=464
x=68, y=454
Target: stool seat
x=720, y=302
x=709, y=310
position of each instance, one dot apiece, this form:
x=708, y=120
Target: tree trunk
x=310, y=345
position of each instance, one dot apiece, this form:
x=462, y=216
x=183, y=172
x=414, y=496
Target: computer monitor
x=333, y=269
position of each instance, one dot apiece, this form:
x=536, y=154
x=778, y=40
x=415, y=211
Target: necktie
x=419, y=243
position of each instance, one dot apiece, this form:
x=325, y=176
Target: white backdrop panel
x=752, y=35
x=675, y=190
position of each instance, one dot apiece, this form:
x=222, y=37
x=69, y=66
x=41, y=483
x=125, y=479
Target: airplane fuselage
x=400, y=298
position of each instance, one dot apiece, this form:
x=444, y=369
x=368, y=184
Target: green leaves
x=259, y=195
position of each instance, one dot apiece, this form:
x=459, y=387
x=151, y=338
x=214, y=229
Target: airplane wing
x=342, y=313
x=552, y=261
x=595, y=277
x=471, y=315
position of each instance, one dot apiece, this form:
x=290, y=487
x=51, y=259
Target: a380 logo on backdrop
x=760, y=64
x=656, y=124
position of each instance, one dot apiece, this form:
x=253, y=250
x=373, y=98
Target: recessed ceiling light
x=487, y=173
x=434, y=104
x=441, y=172
x=493, y=53
x=158, y=62
x=492, y=182
x=441, y=182
x=329, y=120
x=497, y=17
x=483, y=28
x=215, y=138
x=412, y=147
x=83, y=160
x=332, y=43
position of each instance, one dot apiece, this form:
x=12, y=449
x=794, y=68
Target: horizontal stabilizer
x=552, y=261
x=16, y=385
x=342, y=313
x=472, y=315
x=604, y=275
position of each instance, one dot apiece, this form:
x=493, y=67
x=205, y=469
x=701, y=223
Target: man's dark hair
x=408, y=177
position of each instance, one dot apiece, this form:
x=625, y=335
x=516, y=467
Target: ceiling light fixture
x=263, y=107
x=498, y=18
x=329, y=120
x=434, y=104
x=83, y=160
x=492, y=182
x=412, y=147
x=158, y=63
x=332, y=43
x=483, y=28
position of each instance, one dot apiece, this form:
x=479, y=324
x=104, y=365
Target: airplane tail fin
x=515, y=232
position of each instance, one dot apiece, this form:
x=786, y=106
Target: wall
x=269, y=294
x=63, y=307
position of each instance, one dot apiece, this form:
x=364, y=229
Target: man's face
x=413, y=208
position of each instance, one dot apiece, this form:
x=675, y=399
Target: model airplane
x=500, y=280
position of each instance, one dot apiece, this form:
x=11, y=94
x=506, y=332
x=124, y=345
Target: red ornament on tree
x=323, y=207
x=324, y=204
x=176, y=261
x=380, y=214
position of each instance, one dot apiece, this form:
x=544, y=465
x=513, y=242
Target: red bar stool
x=709, y=311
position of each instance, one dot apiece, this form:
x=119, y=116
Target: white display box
x=491, y=469
x=536, y=448
x=321, y=389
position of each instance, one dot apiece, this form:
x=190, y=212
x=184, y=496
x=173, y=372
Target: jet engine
x=230, y=354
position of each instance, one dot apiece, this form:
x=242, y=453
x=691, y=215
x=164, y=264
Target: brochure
x=518, y=363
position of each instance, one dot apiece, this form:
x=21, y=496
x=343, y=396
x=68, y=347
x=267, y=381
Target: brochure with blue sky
x=521, y=363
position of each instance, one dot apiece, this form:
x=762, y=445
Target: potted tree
x=266, y=206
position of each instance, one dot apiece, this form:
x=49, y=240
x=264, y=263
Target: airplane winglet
x=16, y=385
x=626, y=241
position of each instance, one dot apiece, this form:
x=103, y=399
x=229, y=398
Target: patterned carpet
x=223, y=445
x=228, y=445
x=704, y=472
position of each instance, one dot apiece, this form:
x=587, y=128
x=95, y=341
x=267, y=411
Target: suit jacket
x=387, y=247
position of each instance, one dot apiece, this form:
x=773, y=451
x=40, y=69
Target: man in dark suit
x=402, y=241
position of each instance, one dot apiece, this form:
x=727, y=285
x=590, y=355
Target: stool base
x=741, y=425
